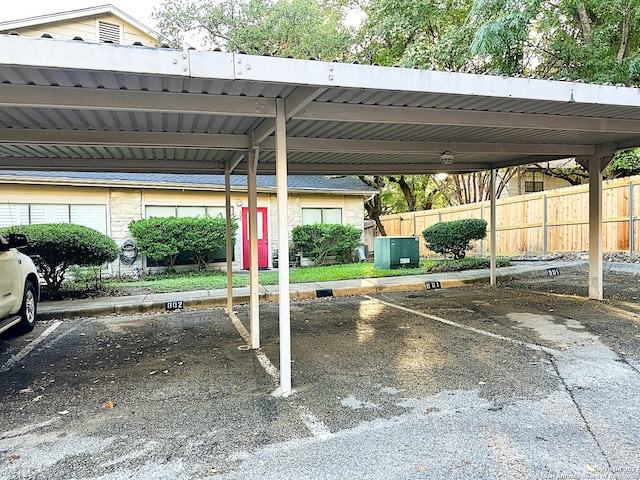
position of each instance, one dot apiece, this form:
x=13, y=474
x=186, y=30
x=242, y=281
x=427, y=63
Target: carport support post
x=254, y=300
x=229, y=244
x=283, y=249
x=492, y=229
x=595, y=228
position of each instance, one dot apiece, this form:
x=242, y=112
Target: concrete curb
x=217, y=298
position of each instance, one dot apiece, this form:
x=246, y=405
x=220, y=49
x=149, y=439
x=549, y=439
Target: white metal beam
x=468, y=118
x=330, y=145
x=492, y=227
x=229, y=233
x=236, y=160
x=366, y=169
x=297, y=100
x=595, y=229
x=377, y=78
x=205, y=141
x=283, y=250
x=69, y=98
x=29, y=136
x=111, y=165
x=254, y=299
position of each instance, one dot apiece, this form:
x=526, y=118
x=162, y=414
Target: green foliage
x=163, y=239
x=624, y=164
x=426, y=34
x=575, y=39
x=454, y=238
x=183, y=281
x=321, y=239
x=61, y=245
x=86, y=277
x=301, y=28
x=468, y=263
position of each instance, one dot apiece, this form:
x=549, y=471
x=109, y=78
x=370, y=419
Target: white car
x=19, y=286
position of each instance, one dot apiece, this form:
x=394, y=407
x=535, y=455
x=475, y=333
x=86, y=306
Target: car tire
x=29, y=308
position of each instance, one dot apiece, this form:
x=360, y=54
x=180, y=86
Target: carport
x=101, y=107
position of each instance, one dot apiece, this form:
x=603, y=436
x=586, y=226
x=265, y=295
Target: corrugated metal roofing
x=90, y=107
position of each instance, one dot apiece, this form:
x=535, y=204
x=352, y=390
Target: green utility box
x=396, y=252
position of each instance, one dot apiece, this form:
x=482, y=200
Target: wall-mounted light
x=446, y=158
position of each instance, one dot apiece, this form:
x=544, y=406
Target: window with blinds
x=189, y=211
x=93, y=216
x=321, y=215
x=109, y=32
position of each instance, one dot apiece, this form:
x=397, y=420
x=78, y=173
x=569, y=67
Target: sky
x=17, y=9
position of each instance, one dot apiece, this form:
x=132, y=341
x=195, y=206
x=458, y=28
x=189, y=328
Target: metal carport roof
x=72, y=105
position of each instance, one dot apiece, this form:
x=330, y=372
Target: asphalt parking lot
x=468, y=382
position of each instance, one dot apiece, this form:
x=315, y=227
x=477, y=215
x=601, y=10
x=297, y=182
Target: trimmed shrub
x=61, y=245
x=164, y=238
x=469, y=263
x=321, y=239
x=454, y=238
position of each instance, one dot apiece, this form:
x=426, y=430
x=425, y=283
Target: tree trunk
x=374, y=205
x=374, y=210
x=585, y=23
x=409, y=196
x=624, y=34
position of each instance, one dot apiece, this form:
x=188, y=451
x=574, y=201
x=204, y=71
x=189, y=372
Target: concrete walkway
x=157, y=302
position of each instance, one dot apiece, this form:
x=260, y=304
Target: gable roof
x=59, y=17
x=343, y=185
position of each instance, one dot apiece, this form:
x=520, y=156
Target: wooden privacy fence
x=543, y=222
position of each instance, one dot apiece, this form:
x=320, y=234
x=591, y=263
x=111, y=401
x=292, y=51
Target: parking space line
x=269, y=367
x=313, y=423
x=451, y=323
x=29, y=347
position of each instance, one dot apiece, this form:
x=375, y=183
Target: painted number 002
x=175, y=305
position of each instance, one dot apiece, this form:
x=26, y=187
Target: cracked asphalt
x=521, y=381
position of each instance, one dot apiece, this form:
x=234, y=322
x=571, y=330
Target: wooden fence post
x=482, y=240
x=544, y=223
x=631, y=219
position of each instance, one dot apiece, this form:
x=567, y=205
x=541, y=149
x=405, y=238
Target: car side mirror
x=18, y=240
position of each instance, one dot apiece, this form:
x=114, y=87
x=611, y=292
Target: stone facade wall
x=125, y=205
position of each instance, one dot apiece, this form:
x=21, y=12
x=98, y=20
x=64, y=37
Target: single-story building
x=108, y=202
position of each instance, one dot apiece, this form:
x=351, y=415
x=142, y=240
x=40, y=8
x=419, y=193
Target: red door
x=263, y=239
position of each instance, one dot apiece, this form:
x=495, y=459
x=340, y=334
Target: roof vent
x=108, y=32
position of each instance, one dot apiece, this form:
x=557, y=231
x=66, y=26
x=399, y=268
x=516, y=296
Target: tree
x=374, y=206
x=62, y=245
x=300, y=28
x=427, y=34
x=474, y=187
x=624, y=164
x=574, y=174
x=589, y=40
x=400, y=193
